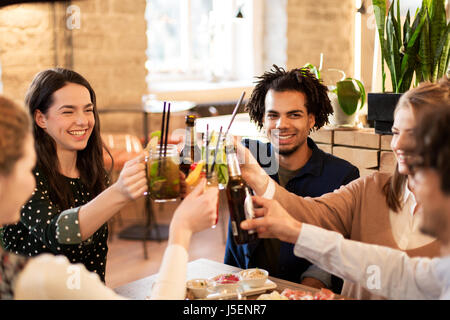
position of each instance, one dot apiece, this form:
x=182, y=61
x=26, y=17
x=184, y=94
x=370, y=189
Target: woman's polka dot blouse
x=43, y=227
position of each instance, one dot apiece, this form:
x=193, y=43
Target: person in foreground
x=382, y=270
x=47, y=276
x=289, y=105
x=379, y=208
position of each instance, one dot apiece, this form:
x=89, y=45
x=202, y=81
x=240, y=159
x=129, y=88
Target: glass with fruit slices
x=220, y=167
x=197, y=172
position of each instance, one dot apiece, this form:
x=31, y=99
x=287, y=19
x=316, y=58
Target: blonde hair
x=15, y=124
x=425, y=97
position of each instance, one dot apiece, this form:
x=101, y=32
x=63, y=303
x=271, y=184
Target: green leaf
x=313, y=69
x=425, y=51
x=442, y=53
x=438, y=22
x=410, y=58
x=416, y=29
x=348, y=96
x=362, y=93
x=393, y=54
x=154, y=169
x=406, y=30
x=379, y=10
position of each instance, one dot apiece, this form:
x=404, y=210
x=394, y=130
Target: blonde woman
x=378, y=209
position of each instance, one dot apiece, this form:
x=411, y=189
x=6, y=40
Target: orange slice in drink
x=195, y=175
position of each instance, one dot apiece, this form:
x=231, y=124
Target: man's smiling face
x=286, y=120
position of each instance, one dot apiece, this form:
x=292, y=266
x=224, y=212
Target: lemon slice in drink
x=152, y=144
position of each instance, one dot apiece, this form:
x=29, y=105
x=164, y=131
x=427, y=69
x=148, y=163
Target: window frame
x=186, y=42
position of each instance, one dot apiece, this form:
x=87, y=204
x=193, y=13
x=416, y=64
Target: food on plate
x=225, y=284
x=197, y=283
x=274, y=295
x=323, y=294
x=253, y=274
x=254, y=277
x=198, y=287
x=226, y=279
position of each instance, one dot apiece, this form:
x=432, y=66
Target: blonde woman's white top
x=49, y=277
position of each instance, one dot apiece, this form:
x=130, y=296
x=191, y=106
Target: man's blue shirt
x=322, y=173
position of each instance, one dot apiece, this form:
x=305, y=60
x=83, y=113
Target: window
x=201, y=40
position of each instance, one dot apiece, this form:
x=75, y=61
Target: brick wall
x=316, y=26
x=108, y=49
x=26, y=46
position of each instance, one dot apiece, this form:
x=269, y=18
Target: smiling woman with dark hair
x=69, y=208
x=53, y=277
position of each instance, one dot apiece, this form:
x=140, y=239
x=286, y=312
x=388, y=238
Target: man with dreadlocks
x=288, y=105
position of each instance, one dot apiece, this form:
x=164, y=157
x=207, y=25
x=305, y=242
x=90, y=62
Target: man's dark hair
x=433, y=143
x=301, y=80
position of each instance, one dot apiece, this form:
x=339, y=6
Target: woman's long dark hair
x=89, y=160
x=425, y=97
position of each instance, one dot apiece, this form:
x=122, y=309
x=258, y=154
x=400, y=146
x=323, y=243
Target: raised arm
x=195, y=213
x=333, y=211
x=382, y=270
x=131, y=185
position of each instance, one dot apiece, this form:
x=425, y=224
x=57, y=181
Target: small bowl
x=198, y=287
x=225, y=279
x=221, y=288
x=254, y=277
x=227, y=282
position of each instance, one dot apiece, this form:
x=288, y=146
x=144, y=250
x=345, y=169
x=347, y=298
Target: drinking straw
x=235, y=111
x=206, y=149
x=167, y=130
x=162, y=129
x=216, y=151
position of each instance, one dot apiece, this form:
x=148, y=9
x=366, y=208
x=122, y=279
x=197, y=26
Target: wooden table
x=201, y=268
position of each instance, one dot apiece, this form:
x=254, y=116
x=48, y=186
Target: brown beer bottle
x=191, y=152
x=239, y=198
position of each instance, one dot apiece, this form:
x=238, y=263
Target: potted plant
x=420, y=48
x=344, y=97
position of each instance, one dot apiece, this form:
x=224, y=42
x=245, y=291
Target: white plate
x=269, y=285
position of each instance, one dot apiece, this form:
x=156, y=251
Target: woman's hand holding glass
x=132, y=181
x=198, y=211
